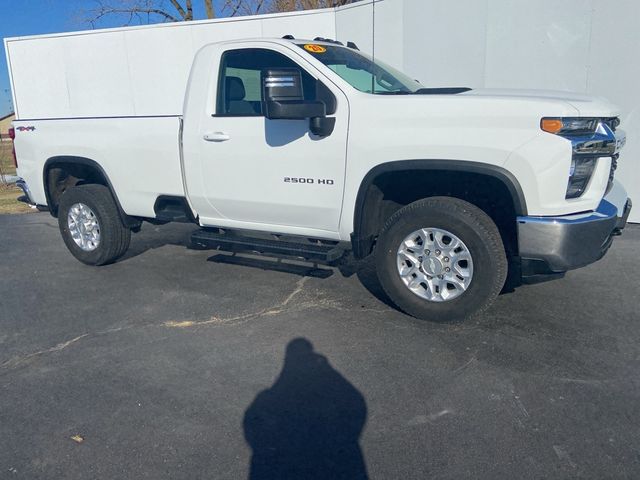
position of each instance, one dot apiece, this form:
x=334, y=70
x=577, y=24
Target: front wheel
x=441, y=259
x=91, y=226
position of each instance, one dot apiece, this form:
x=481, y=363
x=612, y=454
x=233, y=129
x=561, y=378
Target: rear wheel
x=441, y=259
x=90, y=225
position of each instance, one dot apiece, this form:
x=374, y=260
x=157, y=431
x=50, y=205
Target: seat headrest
x=235, y=89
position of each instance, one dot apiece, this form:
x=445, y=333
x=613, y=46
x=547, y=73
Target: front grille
x=612, y=172
x=611, y=122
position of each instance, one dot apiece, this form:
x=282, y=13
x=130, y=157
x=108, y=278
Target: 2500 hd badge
x=319, y=181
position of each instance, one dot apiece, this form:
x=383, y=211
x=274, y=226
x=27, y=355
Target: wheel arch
x=64, y=171
x=370, y=200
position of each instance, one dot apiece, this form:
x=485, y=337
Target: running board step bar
x=237, y=243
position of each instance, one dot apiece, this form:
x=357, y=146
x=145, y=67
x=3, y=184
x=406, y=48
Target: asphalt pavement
x=187, y=364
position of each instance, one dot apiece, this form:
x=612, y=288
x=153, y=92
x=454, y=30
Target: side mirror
x=284, y=84
x=284, y=98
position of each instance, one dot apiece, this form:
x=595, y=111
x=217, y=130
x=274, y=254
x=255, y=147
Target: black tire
x=114, y=236
x=471, y=225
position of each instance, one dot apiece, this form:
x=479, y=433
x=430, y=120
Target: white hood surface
x=585, y=105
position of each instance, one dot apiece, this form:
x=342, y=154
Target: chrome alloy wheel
x=435, y=264
x=84, y=227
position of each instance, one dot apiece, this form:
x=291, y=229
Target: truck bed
x=139, y=155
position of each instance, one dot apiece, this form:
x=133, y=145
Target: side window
x=239, y=88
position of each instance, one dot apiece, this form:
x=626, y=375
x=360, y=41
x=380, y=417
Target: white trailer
x=131, y=71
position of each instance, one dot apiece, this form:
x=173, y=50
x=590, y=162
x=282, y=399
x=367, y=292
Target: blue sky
x=34, y=17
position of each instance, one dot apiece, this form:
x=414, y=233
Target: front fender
x=362, y=237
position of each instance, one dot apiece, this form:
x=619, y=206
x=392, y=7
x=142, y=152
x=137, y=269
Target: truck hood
x=585, y=105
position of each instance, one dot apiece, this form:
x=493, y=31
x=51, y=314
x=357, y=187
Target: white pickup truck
x=312, y=149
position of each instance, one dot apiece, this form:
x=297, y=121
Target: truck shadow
x=279, y=133
x=363, y=269
x=158, y=236
x=152, y=237
x=308, y=423
x=366, y=273
x=272, y=264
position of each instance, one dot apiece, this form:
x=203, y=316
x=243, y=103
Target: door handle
x=216, y=137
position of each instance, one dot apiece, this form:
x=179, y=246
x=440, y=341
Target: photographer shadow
x=308, y=424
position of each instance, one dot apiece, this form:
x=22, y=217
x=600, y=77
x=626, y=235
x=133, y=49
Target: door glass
x=240, y=90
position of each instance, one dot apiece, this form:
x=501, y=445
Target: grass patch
x=9, y=193
x=9, y=203
x=6, y=159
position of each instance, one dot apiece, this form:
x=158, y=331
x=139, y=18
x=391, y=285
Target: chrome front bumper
x=554, y=245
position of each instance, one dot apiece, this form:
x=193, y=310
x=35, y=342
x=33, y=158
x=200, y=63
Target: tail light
x=12, y=136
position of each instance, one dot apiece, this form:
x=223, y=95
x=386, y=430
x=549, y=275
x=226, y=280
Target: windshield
x=361, y=71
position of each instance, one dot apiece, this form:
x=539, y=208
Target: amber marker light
x=551, y=125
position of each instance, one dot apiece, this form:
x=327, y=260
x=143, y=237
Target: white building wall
x=585, y=46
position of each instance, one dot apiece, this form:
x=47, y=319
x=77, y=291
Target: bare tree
x=146, y=11
x=289, y=5
x=254, y=7
x=154, y=11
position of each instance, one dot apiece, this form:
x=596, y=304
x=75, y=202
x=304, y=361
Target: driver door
x=266, y=174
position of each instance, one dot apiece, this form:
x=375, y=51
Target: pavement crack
x=15, y=361
x=272, y=310
x=563, y=456
x=21, y=359
x=468, y=363
x=583, y=381
x=281, y=306
x=285, y=305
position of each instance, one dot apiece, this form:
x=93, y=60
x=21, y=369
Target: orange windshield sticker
x=315, y=48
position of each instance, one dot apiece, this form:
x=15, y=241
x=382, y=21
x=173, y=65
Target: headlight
x=591, y=138
x=569, y=126
x=579, y=175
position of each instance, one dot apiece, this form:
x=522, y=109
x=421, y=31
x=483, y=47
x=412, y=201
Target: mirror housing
x=283, y=99
x=293, y=109
x=282, y=84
